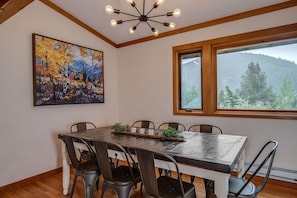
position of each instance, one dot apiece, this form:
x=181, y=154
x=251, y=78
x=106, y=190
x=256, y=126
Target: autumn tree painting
x=65, y=73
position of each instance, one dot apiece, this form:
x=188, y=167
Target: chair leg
x=167, y=173
x=104, y=187
x=124, y=192
x=90, y=181
x=73, y=185
x=160, y=171
x=209, y=188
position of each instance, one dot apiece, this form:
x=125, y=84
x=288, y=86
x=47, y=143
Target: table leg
x=66, y=169
x=222, y=185
x=240, y=165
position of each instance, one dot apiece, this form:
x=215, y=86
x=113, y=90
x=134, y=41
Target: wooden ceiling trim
x=11, y=8
x=3, y=2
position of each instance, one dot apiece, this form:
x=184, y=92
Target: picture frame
x=66, y=73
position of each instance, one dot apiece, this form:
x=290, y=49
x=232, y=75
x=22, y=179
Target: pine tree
x=253, y=87
x=286, y=98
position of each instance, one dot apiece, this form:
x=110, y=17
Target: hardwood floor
x=51, y=187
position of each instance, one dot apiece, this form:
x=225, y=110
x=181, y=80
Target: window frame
x=209, y=72
x=180, y=74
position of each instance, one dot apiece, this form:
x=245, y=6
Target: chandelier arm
x=156, y=21
x=128, y=14
x=129, y=20
x=137, y=10
x=149, y=24
x=138, y=23
x=157, y=16
x=149, y=11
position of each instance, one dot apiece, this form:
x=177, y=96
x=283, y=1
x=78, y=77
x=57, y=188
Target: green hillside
x=232, y=67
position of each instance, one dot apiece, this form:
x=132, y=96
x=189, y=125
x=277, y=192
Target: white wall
x=28, y=135
x=145, y=87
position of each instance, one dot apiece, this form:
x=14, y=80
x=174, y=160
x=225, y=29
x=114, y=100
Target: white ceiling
x=92, y=12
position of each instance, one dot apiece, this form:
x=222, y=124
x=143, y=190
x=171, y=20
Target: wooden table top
x=218, y=152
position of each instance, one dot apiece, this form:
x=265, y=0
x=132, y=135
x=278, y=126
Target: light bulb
x=131, y=2
x=155, y=31
x=176, y=12
x=109, y=9
x=113, y=22
x=159, y=2
x=132, y=29
x=171, y=25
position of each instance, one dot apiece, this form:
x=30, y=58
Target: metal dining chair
x=243, y=187
x=205, y=128
x=147, y=124
x=87, y=169
x=175, y=125
x=163, y=186
x=80, y=127
x=123, y=178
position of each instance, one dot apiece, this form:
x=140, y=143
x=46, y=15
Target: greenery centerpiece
x=171, y=133
x=117, y=127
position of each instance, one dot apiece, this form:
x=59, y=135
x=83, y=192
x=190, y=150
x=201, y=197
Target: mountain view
x=245, y=81
x=232, y=67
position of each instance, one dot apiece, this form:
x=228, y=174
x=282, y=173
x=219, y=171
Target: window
x=259, y=77
x=190, y=83
x=246, y=75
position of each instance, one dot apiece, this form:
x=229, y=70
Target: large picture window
x=247, y=75
x=259, y=77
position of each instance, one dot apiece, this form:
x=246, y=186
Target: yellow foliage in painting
x=55, y=55
x=83, y=52
x=97, y=55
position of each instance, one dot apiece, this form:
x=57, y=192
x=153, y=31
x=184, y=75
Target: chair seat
x=169, y=187
x=89, y=166
x=235, y=185
x=122, y=174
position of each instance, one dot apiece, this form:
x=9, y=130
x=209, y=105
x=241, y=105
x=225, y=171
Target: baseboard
x=258, y=179
x=29, y=180
x=277, y=173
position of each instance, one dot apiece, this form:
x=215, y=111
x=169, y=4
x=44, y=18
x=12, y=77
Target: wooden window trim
x=209, y=78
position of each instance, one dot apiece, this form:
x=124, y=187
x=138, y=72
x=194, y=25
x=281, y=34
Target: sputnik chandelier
x=143, y=17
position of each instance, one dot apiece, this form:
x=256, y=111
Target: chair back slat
x=68, y=140
x=147, y=124
x=205, y=128
x=175, y=125
x=147, y=166
x=103, y=160
x=147, y=170
x=81, y=126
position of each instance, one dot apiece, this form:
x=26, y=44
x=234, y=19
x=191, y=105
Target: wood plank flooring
x=51, y=187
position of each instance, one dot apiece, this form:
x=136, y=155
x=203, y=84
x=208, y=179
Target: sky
x=288, y=52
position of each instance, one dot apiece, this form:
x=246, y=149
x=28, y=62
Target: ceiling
x=91, y=14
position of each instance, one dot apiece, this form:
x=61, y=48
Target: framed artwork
x=65, y=73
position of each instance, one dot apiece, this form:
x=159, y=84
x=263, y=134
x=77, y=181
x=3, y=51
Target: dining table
x=204, y=155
